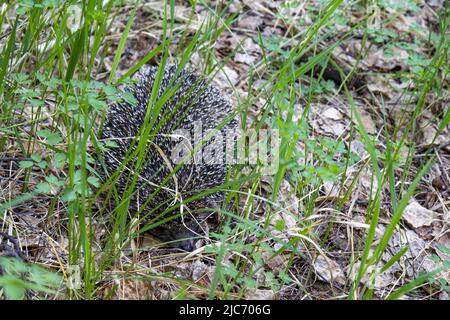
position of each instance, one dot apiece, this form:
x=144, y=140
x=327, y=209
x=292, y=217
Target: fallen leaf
x=198, y=270
x=225, y=77
x=417, y=216
x=382, y=280
x=332, y=113
x=260, y=294
x=244, y=58
x=250, y=21
x=328, y=270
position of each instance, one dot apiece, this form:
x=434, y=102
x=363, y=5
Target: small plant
x=442, y=278
x=16, y=277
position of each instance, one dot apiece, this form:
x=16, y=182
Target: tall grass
x=52, y=113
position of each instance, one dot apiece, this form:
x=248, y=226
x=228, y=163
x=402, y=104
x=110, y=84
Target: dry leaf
x=260, y=294
x=328, y=270
x=225, y=77
x=382, y=280
x=276, y=263
x=417, y=216
x=244, y=58
x=198, y=270
x=250, y=22
x=332, y=113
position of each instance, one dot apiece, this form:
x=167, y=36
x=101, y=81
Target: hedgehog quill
x=187, y=102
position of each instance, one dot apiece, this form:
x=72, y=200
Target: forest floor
x=368, y=176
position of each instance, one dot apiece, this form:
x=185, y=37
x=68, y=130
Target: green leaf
x=59, y=160
x=280, y=225
x=52, y=138
x=249, y=282
x=97, y=104
x=37, y=103
x=14, y=287
x=54, y=180
x=128, y=97
x=111, y=144
x=24, y=164
x=69, y=195
x=21, y=78
x=412, y=285
x=36, y=157
x=284, y=277
x=109, y=90
x=42, y=164
x=94, y=181
x=446, y=264
x=44, y=187
x=443, y=249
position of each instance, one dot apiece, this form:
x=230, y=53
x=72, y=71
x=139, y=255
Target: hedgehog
x=178, y=163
